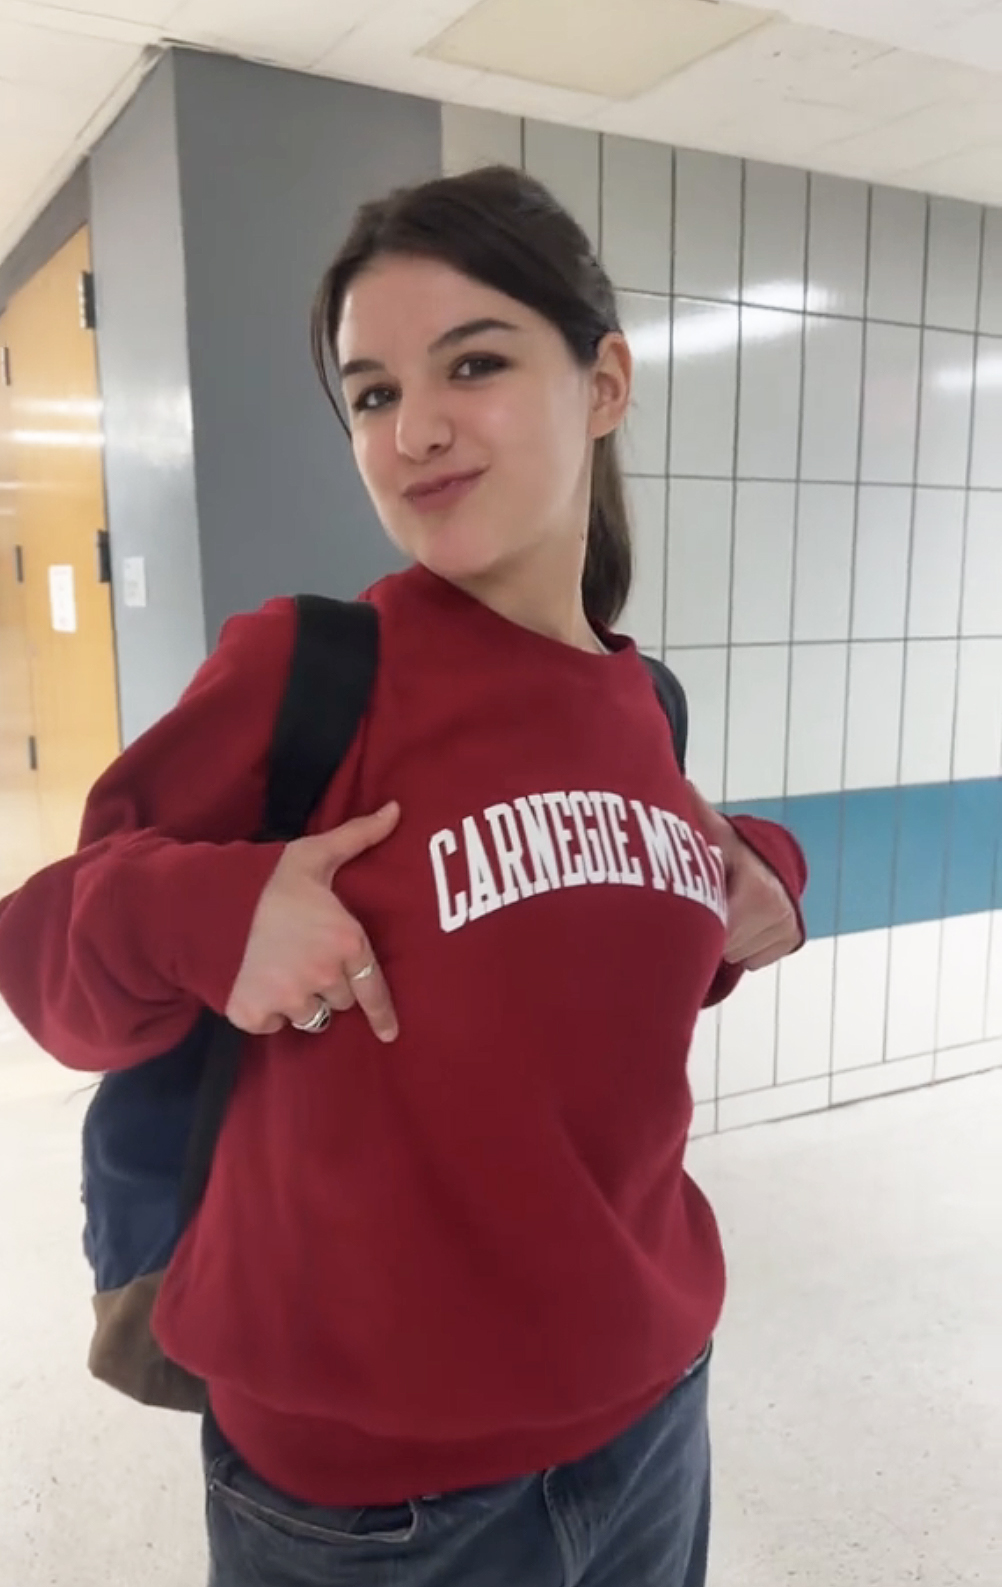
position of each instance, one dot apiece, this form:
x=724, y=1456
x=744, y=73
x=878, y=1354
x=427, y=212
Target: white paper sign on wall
x=134, y=581
x=63, y=599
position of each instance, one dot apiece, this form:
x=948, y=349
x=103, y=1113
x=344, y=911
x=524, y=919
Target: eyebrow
x=459, y=333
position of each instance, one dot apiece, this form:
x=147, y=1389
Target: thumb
x=325, y=854
x=716, y=825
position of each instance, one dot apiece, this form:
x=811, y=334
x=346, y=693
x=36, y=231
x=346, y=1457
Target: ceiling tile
x=147, y=13
x=295, y=32
x=60, y=61
x=591, y=46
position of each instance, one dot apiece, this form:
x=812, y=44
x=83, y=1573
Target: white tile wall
x=890, y=404
x=707, y=225
x=817, y=501
x=913, y=990
x=861, y=969
x=703, y=1057
x=957, y=1062
x=472, y=138
x=897, y=255
x=762, y=591
x=937, y=558
x=873, y=727
x=704, y=675
x=818, y=683
x=769, y=396
x=700, y=531
x=775, y=236
x=567, y=160
x=963, y=981
x=833, y=363
x=704, y=388
x=823, y=574
x=929, y=706
x=747, y=1054
x=947, y=400
x=978, y=740
x=643, y=619
x=637, y=192
x=904, y=1075
x=986, y=461
x=982, y=609
x=756, y=728
x=993, y=1020
x=954, y=264
x=647, y=323
x=839, y=214
x=764, y=1107
x=806, y=1003
x=883, y=544
x=991, y=275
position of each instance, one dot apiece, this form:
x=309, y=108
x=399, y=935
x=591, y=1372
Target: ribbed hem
x=326, y=1463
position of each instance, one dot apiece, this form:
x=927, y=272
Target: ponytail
x=608, y=571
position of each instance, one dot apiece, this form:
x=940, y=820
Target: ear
x=612, y=382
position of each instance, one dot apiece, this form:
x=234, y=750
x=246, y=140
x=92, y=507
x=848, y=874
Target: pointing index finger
x=371, y=993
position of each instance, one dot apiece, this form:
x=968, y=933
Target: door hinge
x=5, y=365
x=32, y=752
x=103, y=557
x=19, y=564
x=88, y=307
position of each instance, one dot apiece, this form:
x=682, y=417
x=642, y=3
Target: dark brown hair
x=502, y=228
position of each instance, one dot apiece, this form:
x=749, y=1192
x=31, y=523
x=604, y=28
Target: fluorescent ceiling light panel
x=614, y=48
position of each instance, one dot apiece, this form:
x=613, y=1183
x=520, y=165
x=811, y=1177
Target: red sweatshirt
x=474, y=1253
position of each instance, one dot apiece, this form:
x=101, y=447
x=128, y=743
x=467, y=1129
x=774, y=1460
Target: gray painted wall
x=142, y=347
x=218, y=200
x=273, y=166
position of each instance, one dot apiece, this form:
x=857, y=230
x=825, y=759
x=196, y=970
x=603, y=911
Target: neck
x=545, y=600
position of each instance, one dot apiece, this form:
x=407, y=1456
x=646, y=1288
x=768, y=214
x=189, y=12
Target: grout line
x=857, y=502
x=729, y=641
x=713, y=301
x=907, y=635
x=807, y=479
x=794, y=561
x=951, y=810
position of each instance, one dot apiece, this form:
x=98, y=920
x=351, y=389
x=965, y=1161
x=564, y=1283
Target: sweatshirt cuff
x=779, y=850
x=195, y=913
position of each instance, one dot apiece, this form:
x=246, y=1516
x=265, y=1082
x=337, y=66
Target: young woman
x=450, y=1289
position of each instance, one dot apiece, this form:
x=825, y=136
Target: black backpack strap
x=334, y=661
x=671, y=697
x=333, y=670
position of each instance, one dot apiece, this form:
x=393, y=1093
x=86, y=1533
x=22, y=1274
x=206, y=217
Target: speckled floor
x=858, y=1379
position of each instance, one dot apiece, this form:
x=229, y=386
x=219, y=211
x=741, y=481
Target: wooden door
x=54, y=438
x=21, y=849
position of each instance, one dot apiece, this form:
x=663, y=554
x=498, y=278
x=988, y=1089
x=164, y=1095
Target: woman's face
x=472, y=425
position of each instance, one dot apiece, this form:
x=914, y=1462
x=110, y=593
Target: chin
x=461, y=557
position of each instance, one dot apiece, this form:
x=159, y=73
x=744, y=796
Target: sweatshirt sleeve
x=108, y=957
x=779, y=850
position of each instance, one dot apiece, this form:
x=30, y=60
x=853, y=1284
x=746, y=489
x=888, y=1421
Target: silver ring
x=364, y=974
x=317, y=1022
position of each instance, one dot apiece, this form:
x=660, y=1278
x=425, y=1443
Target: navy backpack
x=150, y=1132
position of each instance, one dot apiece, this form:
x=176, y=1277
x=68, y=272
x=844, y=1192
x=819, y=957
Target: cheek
x=372, y=451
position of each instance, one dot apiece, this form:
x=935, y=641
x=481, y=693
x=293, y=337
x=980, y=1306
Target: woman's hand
x=304, y=945
x=762, y=924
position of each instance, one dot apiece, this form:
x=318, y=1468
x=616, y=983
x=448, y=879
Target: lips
x=445, y=487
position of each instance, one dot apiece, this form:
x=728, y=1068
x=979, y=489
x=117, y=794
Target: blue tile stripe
x=893, y=856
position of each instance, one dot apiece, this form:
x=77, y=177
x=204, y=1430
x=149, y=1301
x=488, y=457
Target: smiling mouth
x=440, y=492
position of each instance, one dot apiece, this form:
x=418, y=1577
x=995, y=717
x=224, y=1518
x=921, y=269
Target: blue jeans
x=635, y=1514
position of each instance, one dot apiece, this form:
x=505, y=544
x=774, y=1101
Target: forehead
x=406, y=302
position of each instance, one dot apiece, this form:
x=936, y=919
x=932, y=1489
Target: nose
x=424, y=430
